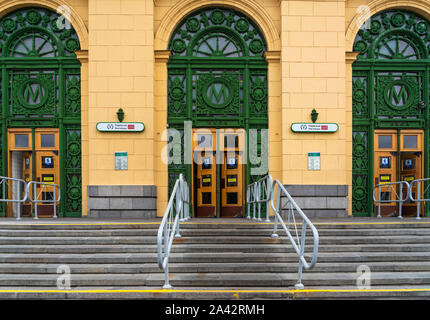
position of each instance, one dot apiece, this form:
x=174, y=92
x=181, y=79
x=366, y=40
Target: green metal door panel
x=217, y=77
x=390, y=90
x=41, y=89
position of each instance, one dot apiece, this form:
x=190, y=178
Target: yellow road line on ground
x=292, y=291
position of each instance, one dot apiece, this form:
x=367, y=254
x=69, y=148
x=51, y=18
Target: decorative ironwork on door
x=40, y=88
x=217, y=76
x=390, y=90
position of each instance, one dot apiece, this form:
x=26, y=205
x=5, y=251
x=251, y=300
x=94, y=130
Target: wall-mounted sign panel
x=314, y=161
x=121, y=161
x=314, y=127
x=120, y=126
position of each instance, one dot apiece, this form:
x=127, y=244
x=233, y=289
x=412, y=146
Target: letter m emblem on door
x=218, y=93
x=33, y=93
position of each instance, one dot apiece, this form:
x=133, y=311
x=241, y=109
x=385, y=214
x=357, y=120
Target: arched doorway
x=217, y=80
x=41, y=103
x=390, y=105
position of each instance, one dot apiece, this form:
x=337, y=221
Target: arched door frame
x=35, y=62
x=170, y=21
x=377, y=62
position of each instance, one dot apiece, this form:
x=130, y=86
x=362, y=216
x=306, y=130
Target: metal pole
x=268, y=200
x=275, y=225
x=299, y=284
x=248, y=194
x=400, y=199
x=418, y=200
x=379, y=201
x=19, y=203
x=55, y=205
x=259, y=199
x=178, y=205
x=254, y=206
x=35, y=202
x=166, y=278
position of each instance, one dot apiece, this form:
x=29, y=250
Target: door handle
x=376, y=181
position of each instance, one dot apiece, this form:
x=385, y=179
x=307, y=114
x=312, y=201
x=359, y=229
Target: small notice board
x=314, y=161
x=121, y=160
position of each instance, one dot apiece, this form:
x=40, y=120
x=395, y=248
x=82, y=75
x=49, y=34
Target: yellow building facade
x=124, y=54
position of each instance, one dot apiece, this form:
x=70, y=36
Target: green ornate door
x=40, y=88
x=217, y=78
x=390, y=91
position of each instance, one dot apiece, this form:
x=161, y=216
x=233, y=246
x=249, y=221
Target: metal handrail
x=298, y=246
x=419, y=200
x=177, y=210
x=44, y=187
x=257, y=193
x=399, y=196
x=4, y=181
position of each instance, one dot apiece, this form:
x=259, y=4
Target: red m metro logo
x=324, y=127
x=131, y=127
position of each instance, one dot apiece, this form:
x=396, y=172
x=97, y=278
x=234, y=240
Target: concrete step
x=213, y=257
x=79, y=233
x=218, y=279
x=356, y=240
x=177, y=248
x=254, y=267
x=186, y=232
x=353, y=223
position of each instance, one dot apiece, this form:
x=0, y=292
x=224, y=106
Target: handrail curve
x=298, y=246
x=177, y=210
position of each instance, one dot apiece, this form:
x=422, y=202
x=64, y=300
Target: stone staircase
x=214, y=259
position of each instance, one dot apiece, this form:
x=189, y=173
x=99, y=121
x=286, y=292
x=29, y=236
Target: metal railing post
x=275, y=225
x=258, y=200
x=18, y=213
x=55, y=204
x=248, y=199
x=299, y=284
x=419, y=199
x=268, y=195
x=35, y=202
x=166, y=278
x=401, y=202
x=379, y=203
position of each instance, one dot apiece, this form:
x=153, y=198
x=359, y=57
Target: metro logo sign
x=314, y=127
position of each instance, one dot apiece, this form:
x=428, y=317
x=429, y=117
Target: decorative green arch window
x=40, y=87
x=217, y=76
x=390, y=90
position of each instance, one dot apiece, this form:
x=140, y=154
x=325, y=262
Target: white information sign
x=314, y=127
x=120, y=126
x=121, y=161
x=314, y=161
